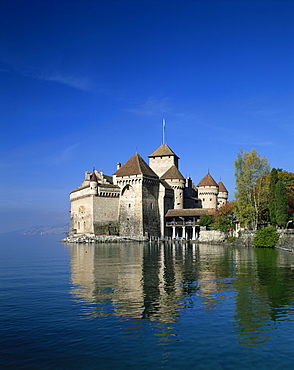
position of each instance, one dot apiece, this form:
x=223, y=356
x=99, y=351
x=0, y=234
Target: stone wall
x=130, y=210
x=82, y=214
x=151, y=218
x=212, y=236
x=105, y=209
x=286, y=240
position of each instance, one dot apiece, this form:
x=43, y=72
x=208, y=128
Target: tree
x=281, y=204
x=250, y=193
x=280, y=197
x=272, y=193
x=266, y=237
x=224, y=217
x=205, y=220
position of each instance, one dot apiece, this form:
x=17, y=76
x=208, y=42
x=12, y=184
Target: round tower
x=208, y=192
x=93, y=184
x=222, y=194
x=178, y=186
x=177, y=182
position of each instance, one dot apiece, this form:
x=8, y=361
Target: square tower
x=162, y=159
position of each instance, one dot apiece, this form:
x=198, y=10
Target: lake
x=143, y=306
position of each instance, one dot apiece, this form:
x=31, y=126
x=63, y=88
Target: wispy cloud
x=64, y=156
x=76, y=82
x=73, y=80
x=152, y=107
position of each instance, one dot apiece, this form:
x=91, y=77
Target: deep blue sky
x=84, y=83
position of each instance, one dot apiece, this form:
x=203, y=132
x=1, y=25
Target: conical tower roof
x=207, y=181
x=162, y=151
x=172, y=173
x=93, y=177
x=222, y=188
x=135, y=166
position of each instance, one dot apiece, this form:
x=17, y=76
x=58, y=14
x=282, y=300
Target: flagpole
x=163, y=132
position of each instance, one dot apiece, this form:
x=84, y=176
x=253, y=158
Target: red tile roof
x=163, y=151
x=207, y=181
x=135, y=166
x=222, y=188
x=189, y=212
x=172, y=173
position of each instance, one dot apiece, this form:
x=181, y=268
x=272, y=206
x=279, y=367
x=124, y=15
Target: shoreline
x=92, y=238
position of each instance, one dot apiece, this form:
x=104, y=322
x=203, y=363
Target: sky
x=87, y=83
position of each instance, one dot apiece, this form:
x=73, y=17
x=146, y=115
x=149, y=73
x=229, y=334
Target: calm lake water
x=140, y=306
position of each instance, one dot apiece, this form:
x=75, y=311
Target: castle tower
x=162, y=159
x=208, y=192
x=222, y=194
x=177, y=182
x=138, y=205
x=93, y=184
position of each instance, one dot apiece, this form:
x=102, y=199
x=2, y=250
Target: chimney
x=118, y=166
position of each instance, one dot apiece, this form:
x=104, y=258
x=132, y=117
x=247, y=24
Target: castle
x=152, y=200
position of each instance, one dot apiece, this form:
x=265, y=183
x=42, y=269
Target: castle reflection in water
x=161, y=281
x=140, y=281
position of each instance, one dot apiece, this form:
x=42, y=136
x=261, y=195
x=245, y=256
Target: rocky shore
x=92, y=238
x=286, y=242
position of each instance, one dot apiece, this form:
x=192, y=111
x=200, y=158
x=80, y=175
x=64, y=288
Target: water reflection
x=251, y=288
x=264, y=286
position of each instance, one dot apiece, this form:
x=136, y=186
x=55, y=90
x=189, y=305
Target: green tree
x=281, y=204
x=272, y=194
x=205, y=220
x=250, y=191
x=269, y=188
x=266, y=237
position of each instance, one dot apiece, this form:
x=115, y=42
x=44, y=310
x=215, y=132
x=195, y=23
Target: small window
x=151, y=205
x=130, y=205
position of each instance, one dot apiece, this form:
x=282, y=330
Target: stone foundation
x=212, y=236
x=92, y=238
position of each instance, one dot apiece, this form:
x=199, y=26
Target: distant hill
x=45, y=230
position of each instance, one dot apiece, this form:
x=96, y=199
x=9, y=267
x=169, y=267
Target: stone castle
x=152, y=200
